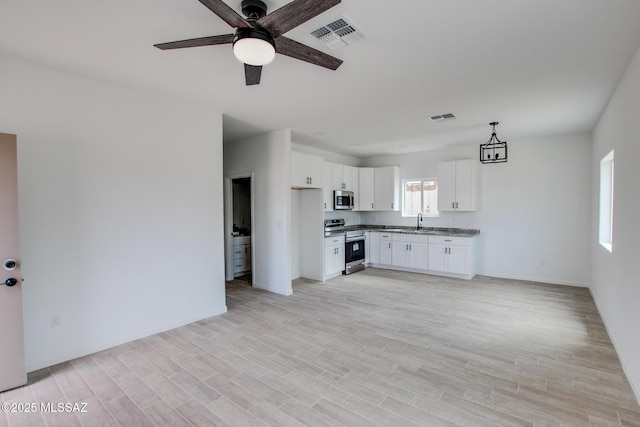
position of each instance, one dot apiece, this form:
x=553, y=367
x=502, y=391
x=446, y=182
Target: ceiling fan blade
x=202, y=41
x=225, y=13
x=293, y=14
x=252, y=74
x=294, y=49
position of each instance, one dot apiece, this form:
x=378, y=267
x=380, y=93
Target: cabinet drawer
x=238, y=252
x=411, y=238
x=386, y=236
x=242, y=240
x=331, y=241
x=452, y=241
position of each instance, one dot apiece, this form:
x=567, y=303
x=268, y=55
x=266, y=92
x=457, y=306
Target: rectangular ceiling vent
x=338, y=34
x=443, y=117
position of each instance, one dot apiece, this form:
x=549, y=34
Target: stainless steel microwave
x=343, y=200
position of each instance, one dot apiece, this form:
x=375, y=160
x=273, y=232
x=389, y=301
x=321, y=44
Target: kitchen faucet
x=418, y=220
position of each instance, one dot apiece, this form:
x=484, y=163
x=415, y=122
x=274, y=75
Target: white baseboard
x=39, y=364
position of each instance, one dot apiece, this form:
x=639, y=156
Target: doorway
x=239, y=228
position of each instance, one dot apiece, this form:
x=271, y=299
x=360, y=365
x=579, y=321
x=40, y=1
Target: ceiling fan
x=259, y=36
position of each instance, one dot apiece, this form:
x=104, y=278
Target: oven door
x=354, y=255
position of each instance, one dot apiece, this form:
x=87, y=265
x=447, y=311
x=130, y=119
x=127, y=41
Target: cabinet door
x=339, y=260
x=329, y=252
x=385, y=188
x=400, y=254
x=373, y=250
x=466, y=183
x=365, y=189
x=458, y=259
x=417, y=256
x=306, y=170
x=327, y=189
x=329, y=260
x=385, y=252
x=299, y=177
x=247, y=258
x=350, y=177
x=337, y=176
x=315, y=170
x=446, y=186
x=437, y=257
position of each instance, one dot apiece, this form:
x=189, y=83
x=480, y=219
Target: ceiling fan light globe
x=254, y=51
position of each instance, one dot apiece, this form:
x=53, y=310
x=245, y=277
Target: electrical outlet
x=55, y=321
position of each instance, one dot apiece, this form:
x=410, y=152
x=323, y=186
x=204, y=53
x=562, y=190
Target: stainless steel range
x=354, y=246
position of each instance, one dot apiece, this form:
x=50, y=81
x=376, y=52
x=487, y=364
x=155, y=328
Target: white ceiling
x=540, y=67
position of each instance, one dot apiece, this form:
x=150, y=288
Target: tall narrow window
x=420, y=196
x=606, y=202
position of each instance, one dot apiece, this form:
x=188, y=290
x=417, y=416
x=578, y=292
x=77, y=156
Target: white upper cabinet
x=306, y=170
x=458, y=185
x=327, y=188
x=386, y=183
x=365, y=189
x=345, y=177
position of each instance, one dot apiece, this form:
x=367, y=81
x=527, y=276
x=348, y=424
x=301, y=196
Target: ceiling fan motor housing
x=254, y=9
x=257, y=32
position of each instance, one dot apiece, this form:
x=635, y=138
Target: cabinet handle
x=453, y=205
x=310, y=180
x=371, y=205
x=391, y=205
x=389, y=245
x=325, y=205
x=410, y=248
x=456, y=205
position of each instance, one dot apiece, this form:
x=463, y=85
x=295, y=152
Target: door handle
x=11, y=282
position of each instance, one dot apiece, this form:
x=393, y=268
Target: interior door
x=12, y=364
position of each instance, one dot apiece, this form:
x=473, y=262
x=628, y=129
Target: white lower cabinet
x=333, y=256
x=439, y=255
x=452, y=255
x=409, y=250
x=241, y=255
x=385, y=248
x=373, y=250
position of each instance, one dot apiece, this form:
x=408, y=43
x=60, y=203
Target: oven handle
x=355, y=239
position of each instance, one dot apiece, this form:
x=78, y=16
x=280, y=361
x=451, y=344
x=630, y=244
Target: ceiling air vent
x=443, y=117
x=338, y=34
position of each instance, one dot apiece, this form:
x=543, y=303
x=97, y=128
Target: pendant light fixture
x=494, y=150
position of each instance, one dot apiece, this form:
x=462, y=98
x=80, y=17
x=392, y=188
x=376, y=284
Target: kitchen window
x=420, y=196
x=606, y=202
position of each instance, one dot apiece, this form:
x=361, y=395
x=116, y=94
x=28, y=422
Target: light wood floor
x=374, y=348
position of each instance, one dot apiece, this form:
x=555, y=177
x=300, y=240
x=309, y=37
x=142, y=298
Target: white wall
x=534, y=215
x=615, y=275
x=295, y=234
x=268, y=157
x=120, y=210
x=328, y=156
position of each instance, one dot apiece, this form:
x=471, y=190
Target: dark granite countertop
x=429, y=231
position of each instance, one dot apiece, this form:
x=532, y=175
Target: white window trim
x=605, y=228
x=429, y=215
